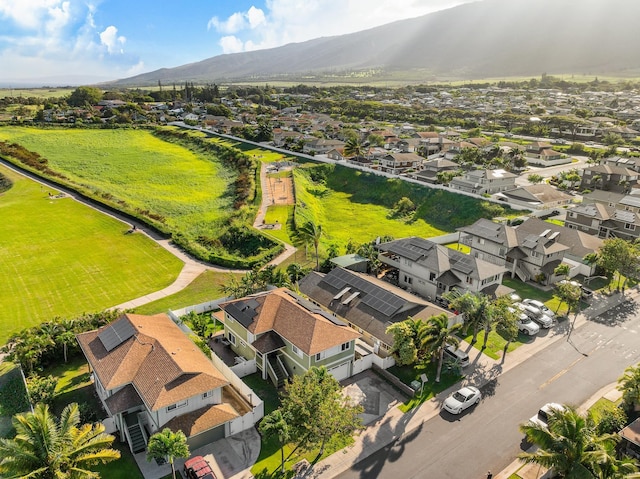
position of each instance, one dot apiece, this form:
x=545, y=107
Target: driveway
x=373, y=393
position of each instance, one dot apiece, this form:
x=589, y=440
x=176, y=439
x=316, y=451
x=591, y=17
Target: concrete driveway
x=373, y=393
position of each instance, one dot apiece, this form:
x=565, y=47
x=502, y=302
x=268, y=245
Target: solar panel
x=116, y=333
x=626, y=216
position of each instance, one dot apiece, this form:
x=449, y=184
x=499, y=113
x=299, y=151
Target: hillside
x=489, y=38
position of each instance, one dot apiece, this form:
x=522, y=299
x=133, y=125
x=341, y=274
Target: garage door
x=340, y=372
x=206, y=437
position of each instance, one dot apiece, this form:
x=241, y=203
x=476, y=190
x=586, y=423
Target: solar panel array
x=626, y=216
x=115, y=334
x=461, y=262
x=374, y=296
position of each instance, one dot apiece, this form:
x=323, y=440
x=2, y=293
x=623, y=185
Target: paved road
x=551, y=170
x=487, y=437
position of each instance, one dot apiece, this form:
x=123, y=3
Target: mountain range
x=485, y=39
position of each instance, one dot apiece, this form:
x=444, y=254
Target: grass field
x=61, y=258
x=150, y=174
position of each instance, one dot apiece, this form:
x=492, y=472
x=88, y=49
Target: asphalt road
x=487, y=437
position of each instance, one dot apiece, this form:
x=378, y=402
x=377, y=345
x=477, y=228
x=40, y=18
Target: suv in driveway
x=541, y=306
x=537, y=315
x=525, y=324
x=198, y=468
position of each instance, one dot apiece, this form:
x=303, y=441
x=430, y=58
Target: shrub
x=41, y=389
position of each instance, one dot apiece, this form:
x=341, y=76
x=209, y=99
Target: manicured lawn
x=406, y=374
x=463, y=248
x=282, y=214
x=265, y=391
x=600, y=407
x=206, y=287
x=496, y=343
x=525, y=290
x=123, y=468
x=61, y=258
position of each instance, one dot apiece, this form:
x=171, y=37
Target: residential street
x=487, y=437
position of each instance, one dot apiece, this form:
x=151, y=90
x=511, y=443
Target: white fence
x=200, y=308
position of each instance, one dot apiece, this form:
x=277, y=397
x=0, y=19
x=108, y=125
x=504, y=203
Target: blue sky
x=57, y=42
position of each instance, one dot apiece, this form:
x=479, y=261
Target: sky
x=72, y=42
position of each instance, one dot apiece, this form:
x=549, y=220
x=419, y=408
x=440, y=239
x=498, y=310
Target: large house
x=149, y=375
x=367, y=304
x=622, y=221
x=531, y=250
x=432, y=270
x=286, y=335
x=397, y=163
x=484, y=181
x=542, y=154
x=537, y=197
x=609, y=177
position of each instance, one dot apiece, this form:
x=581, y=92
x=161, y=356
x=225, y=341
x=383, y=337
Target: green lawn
x=496, y=343
x=413, y=372
x=61, y=258
x=206, y=287
x=463, y=248
x=525, y=290
x=282, y=214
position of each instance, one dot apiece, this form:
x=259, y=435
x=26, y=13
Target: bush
x=41, y=389
x=612, y=421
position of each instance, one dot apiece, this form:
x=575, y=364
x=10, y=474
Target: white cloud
x=231, y=44
x=286, y=21
x=238, y=21
x=29, y=14
x=110, y=39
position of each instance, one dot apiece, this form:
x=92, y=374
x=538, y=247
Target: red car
x=198, y=468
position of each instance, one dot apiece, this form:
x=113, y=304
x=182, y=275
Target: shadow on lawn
x=75, y=383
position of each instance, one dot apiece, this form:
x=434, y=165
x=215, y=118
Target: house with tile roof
x=149, y=375
x=536, y=197
x=609, y=177
x=533, y=248
x=367, y=304
x=543, y=154
x=431, y=270
x=286, y=335
x=484, y=181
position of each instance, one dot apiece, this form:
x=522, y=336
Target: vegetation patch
x=57, y=258
x=5, y=183
x=13, y=394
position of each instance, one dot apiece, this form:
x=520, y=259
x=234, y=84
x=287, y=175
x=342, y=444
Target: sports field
x=61, y=258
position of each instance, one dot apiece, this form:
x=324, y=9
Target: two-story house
x=606, y=221
x=536, y=197
x=484, y=181
x=286, y=334
x=398, y=163
x=321, y=146
x=531, y=250
x=431, y=168
x=367, y=304
x=542, y=154
x=430, y=269
x=149, y=375
x=609, y=177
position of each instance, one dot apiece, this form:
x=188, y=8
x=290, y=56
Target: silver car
x=462, y=399
x=541, y=306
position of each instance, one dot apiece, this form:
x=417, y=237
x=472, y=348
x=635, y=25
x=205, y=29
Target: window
x=296, y=350
x=407, y=262
x=534, y=254
x=432, y=276
x=469, y=280
x=481, y=240
x=345, y=346
x=177, y=405
x=503, y=251
x=207, y=394
x=572, y=214
x=232, y=338
x=408, y=279
x=318, y=357
x=629, y=226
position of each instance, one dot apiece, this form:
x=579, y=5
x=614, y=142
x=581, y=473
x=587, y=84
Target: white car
x=542, y=417
x=462, y=399
x=541, y=306
x=537, y=315
x=527, y=326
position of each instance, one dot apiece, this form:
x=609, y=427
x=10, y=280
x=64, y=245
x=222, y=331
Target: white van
x=458, y=355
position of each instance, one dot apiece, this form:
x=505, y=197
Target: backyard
x=60, y=258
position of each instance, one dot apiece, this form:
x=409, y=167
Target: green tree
x=572, y=448
x=568, y=292
x=404, y=350
x=84, y=96
x=354, y=146
x=317, y=411
x=46, y=448
x=506, y=317
x=404, y=207
x=476, y=308
x=275, y=425
x=167, y=445
x=534, y=178
x=615, y=254
x=41, y=389
x=436, y=335
x=629, y=384
x=310, y=233
x=563, y=269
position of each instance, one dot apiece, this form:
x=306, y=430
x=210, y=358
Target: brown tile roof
x=160, y=361
x=202, y=419
x=310, y=331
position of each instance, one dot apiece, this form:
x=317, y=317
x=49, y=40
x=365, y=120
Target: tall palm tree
x=476, y=308
x=436, y=335
x=570, y=446
x=311, y=232
x=354, y=146
x=46, y=448
x=275, y=425
x=167, y=445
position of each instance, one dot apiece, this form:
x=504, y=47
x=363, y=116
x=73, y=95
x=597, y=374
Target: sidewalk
x=395, y=424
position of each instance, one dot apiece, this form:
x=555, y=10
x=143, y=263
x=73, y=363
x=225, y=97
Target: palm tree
x=629, y=384
x=570, y=445
x=167, y=445
x=436, y=335
x=476, y=308
x=46, y=448
x=354, y=147
x=275, y=425
x=563, y=269
x=311, y=232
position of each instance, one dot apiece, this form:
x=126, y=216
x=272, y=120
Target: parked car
x=462, y=399
x=527, y=326
x=198, y=468
x=537, y=315
x=542, y=416
x=457, y=355
x=541, y=306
